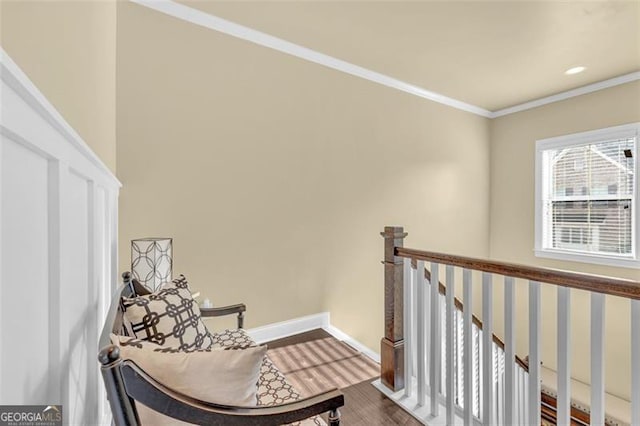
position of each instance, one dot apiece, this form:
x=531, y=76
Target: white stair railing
x=462, y=374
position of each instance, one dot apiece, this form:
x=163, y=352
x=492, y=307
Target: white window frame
x=609, y=133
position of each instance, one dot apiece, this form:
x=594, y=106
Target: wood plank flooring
x=315, y=361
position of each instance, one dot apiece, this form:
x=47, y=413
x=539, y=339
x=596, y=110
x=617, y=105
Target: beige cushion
x=220, y=376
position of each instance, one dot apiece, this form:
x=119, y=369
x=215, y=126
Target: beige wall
x=67, y=48
x=512, y=223
x=275, y=176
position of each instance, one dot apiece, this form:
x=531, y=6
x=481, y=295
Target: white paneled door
x=58, y=230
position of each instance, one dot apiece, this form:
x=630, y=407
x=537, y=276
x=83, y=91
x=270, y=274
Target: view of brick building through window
x=590, y=197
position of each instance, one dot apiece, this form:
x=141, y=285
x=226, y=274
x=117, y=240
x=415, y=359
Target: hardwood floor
x=364, y=404
x=313, y=363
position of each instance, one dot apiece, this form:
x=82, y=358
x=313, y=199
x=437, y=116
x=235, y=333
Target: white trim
x=54, y=194
x=295, y=326
x=288, y=328
x=605, y=84
x=30, y=123
x=582, y=138
x=15, y=78
x=588, y=258
x=2, y=397
x=107, y=418
x=215, y=23
x=629, y=130
x=344, y=337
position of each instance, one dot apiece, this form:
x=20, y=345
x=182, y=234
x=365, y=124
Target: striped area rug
x=319, y=365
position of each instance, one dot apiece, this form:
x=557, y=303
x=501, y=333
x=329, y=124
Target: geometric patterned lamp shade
x=152, y=261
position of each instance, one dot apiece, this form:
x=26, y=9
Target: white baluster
x=450, y=384
x=525, y=398
x=408, y=331
x=521, y=402
x=533, y=411
x=414, y=316
x=468, y=346
x=427, y=332
x=427, y=328
x=435, y=341
x=459, y=359
x=422, y=334
x=564, y=355
x=477, y=372
x=499, y=415
x=487, y=350
x=509, y=352
x=635, y=366
x=597, y=359
x=443, y=344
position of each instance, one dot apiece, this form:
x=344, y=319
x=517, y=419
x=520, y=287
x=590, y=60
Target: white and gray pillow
x=169, y=317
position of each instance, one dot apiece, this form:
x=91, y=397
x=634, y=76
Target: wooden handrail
x=612, y=286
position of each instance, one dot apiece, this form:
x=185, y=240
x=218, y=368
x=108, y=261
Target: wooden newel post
x=392, y=344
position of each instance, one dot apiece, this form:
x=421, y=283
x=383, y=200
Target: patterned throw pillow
x=273, y=388
x=227, y=377
x=170, y=318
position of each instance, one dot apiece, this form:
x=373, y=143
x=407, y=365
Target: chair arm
x=156, y=396
x=239, y=309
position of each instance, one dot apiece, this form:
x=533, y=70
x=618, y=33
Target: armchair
x=127, y=384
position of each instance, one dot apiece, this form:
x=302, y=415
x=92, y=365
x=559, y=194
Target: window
x=586, y=197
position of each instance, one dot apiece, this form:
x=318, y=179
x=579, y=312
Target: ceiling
x=490, y=54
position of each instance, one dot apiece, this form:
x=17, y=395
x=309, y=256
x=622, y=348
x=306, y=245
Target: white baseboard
x=341, y=335
x=279, y=330
x=294, y=326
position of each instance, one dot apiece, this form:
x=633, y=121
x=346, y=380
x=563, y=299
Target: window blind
x=588, y=197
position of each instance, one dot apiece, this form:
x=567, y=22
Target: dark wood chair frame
x=126, y=383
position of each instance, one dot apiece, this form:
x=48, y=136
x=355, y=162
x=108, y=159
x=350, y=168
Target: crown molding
x=605, y=84
x=215, y=23
x=203, y=19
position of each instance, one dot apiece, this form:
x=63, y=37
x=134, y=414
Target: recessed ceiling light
x=574, y=70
